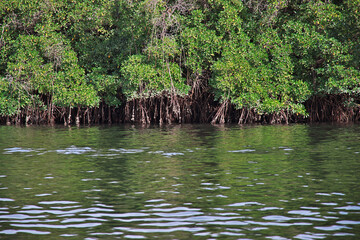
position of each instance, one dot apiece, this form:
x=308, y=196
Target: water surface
x=180, y=182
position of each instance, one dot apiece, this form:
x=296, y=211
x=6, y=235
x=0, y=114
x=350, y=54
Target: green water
x=180, y=182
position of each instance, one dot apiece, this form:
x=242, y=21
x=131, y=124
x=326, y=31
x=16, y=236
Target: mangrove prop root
x=199, y=107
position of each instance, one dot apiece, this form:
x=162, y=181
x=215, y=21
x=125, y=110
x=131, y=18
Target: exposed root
x=333, y=108
x=221, y=113
x=197, y=107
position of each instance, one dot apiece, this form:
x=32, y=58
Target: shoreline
x=185, y=110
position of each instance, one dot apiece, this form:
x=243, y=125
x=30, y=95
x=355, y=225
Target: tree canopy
x=269, y=57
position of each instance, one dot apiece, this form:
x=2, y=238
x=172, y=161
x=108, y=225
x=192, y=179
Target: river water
x=180, y=182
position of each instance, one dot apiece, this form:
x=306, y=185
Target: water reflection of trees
x=288, y=166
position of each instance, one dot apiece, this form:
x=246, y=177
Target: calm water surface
x=180, y=182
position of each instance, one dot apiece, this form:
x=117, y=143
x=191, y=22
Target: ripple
x=31, y=207
x=337, y=193
x=348, y=222
x=332, y=228
x=91, y=179
x=156, y=152
x=277, y=218
x=277, y=238
x=123, y=150
x=65, y=207
x=231, y=234
x=329, y=204
x=103, y=205
x=193, y=219
x=349, y=207
x=340, y=234
x=170, y=154
x=68, y=235
x=323, y=194
x=166, y=224
x=158, y=205
x=71, y=220
x=242, y=151
x=303, y=212
x=172, y=209
x=107, y=155
x=269, y=208
x=155, y=200
x=75, y=150
x=43, y=194
x=202, y=234
x=31, y=220
x=178, y=214
x=18, y=150
x=81, y=225
x=311, y=236
x=35, y=232
x=160, y=230
x=107, y=234
x=311, y=208
x=285, y=219
x=55, y=212
x=204, y=183
x=134, y=236
x=221, y=196
x=57, y=202
x=228, y=223
x=6, y=200
x=227, y=214
x=19, y=216
x=241, y=204
x=115, y=215
x=280, y=224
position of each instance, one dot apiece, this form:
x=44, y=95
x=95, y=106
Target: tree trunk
x=133, y=112
x=161, y=105
x=88, y=116
x=109, y=114
x=52, y=120
x=102, y=113
x=69, y=117
x=77, y=120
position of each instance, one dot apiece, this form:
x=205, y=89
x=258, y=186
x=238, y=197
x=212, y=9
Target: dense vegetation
x=161, y=61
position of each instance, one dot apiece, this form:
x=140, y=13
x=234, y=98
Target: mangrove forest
x=179, y=61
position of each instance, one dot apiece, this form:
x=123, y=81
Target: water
x=180, y=182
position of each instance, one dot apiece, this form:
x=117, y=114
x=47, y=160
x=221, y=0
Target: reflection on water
x=180, y=182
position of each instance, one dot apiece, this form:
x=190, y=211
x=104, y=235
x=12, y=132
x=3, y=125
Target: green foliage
x=265, y=55
x=13, y=97
x=144, y=78
x=201, y=43
x=252, y=70
x=106, y=86
x=320, y=53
